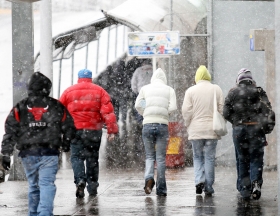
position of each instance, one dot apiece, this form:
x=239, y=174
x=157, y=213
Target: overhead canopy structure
x=144, y=15
x=155, y=15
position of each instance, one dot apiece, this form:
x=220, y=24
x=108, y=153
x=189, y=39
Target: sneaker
x=149, y=186
x=256, y=193
x=80, y=190
x=199, y=188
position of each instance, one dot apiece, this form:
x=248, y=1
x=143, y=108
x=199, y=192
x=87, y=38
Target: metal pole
x=59, y=79
x=277, y=80
x=97, y=57
x=171, y=57
x=116, y=42
x=46, y=61
x=108, y=42
x=171, y=15
x=86, y=56
x=210, y=38
x=72, y=71
x=124, y=37
x=154, y=63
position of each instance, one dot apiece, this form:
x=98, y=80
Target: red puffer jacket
x=90, y=106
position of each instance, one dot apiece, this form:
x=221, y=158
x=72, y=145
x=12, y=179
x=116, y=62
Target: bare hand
x=110, y=137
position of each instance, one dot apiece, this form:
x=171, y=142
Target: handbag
x=219, y=123
x=266, y=116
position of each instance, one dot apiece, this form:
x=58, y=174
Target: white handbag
x=219, y=123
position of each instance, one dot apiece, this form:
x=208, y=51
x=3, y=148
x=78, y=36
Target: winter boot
x=80, y=190
x=256, y=193
x=149, y=186
x=199, y=188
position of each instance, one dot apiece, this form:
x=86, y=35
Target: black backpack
x=266, y=114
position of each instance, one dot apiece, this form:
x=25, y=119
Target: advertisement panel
x=158, y=43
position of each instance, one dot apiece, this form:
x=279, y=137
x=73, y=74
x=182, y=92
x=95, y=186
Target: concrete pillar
x=277, y=80
x=271, y=150
x=23, y=64
x=263, y=40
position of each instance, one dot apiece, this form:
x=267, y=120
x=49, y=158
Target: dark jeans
x=249, y=145
x=120, y=107
x=85, y=147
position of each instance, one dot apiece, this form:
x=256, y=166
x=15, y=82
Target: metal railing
x=94, y=46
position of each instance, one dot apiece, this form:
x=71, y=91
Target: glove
x=6, y=162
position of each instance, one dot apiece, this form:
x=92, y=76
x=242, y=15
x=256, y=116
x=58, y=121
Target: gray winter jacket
x=142, y=76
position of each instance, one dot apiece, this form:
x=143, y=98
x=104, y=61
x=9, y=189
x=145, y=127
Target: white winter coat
x=197, y=109
x=156, y=100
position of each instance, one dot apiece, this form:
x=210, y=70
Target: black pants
x=85, y=147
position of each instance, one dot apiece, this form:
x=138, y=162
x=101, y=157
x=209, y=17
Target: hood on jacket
x=202, y=74
x=39, y=85
x=159, y=75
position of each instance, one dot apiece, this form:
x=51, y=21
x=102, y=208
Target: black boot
x=80, y=190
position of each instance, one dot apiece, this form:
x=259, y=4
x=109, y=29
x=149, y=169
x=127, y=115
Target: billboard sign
x=160, y=43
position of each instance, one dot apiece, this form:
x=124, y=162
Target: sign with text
x=154, y=43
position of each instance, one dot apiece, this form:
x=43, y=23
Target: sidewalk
x=121, y=193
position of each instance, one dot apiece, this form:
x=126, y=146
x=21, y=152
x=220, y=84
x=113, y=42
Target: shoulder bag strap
x=215, y=99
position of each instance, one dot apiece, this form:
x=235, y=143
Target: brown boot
x=149, y=186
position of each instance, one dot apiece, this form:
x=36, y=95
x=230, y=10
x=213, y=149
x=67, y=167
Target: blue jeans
x=85, y=147
x=249, y=143
x=41, y=174
x=155, y=137
x=204, y=152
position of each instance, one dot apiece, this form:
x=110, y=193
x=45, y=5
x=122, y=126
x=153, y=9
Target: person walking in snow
x=114, y=81
x=40, y=127
x=242, y=110
x=91, y=107
x=197, y=111
x=141, y=77
x=155, y=102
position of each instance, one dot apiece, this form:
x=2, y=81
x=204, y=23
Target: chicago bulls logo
x=37, y=111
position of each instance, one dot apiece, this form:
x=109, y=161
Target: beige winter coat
x=197, y=109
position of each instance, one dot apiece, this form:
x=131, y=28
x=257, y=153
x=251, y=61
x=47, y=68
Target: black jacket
x=116, y=82
x=38, y=124
x=242, y=103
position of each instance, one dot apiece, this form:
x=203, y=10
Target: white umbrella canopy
x=154, y=15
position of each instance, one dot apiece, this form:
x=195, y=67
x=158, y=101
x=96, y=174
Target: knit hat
x=244, y=74
x=85, y=73
x=202, y=74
